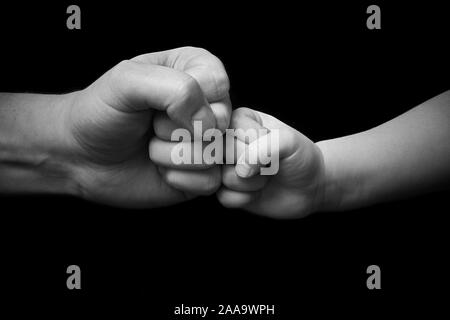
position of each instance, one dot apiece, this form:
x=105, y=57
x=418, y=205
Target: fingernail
x=243, y=170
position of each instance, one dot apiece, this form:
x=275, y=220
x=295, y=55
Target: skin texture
x=112, y=123
x=110, y=143
x=103, y=131
x=294, y=191
x=407, y=155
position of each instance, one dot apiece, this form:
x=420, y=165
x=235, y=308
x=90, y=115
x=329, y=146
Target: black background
x=314, y=66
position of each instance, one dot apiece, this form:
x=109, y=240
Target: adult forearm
x=34, y=151
x=407, y=155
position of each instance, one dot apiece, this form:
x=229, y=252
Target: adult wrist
x=35, y=152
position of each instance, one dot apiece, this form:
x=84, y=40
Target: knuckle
x=186, y=87
x=290, y=137
x=237, y=115
x=191, y=52
x=196, y=50
x=214, y=66
x=214, y=63
x=120, y=75
x=219, y=76
x=243, y=111
x=121, y=69
x=222, y=83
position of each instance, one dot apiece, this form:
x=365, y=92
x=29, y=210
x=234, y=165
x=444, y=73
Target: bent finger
x=199, y=63
x=183, y=154
x=139, y=86
x=232, y=181
x=236, y=199
x=201, y=182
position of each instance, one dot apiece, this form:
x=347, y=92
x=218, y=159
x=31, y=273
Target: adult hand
x=111, y=124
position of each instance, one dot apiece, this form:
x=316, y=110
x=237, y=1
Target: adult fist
x=110, y=122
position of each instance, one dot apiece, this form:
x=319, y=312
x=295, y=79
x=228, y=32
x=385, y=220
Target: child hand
x=294, y=191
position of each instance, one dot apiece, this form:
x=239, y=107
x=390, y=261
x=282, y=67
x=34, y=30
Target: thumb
x=133, y=86
x=257, y=140
x=206, y=69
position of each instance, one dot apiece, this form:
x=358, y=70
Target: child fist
x=294, y=191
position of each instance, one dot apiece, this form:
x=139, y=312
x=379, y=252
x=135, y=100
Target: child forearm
x=401, y=157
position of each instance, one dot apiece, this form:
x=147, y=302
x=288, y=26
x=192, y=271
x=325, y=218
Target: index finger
x=199, y=63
